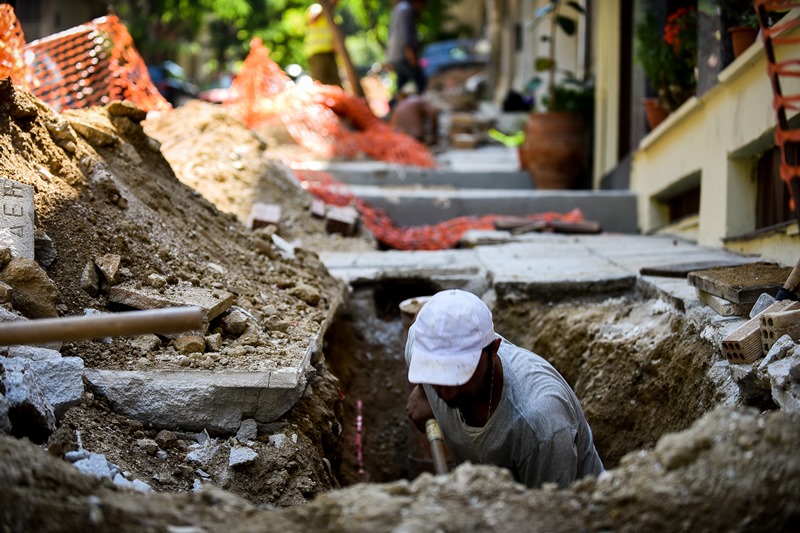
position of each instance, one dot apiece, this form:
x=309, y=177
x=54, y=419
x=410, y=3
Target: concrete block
x=95, y=465
x=62, y=381
x=213, y=302
x=197, y=400
x=342, y=220
x=775, y=325
x=17, y=218
x=317, y=208
x=262, y=214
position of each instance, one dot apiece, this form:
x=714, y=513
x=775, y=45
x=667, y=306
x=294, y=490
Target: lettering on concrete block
x=16, y=218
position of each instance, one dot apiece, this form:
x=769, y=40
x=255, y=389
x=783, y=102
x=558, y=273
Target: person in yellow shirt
x=318, y=46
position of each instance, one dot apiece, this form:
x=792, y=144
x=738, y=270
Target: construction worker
x=496, y=403
x=318, y=46
x=403, y=47
x=414, y=116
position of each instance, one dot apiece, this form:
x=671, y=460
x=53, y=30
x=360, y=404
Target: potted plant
x=667, y=54
x=739, y=16
x=555, y=138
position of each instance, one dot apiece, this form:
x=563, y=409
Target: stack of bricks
x=756, y=336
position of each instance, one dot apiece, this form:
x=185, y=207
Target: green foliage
x=571, y=93
x=670, y=69
x=738, y=13
x=163, y=29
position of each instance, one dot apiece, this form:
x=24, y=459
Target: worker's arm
x=418, y=408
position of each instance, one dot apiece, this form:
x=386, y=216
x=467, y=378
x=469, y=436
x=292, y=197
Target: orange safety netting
x=319, y=117
x=440, y=236
x=780, y=65
x=12, y=49
x=91, y=64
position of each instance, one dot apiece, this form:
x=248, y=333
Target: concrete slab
x=373, y=173
x=614, y=210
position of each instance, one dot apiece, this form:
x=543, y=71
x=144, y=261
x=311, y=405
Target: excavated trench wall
x=640, y=367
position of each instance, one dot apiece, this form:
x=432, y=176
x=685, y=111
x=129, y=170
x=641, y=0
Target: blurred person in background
x=318, y=45
x=402, y=51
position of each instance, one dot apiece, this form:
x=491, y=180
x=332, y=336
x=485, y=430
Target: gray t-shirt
x=402, y=32
x=538, y=430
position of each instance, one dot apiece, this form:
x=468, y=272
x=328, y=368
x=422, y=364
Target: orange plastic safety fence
x=12, y=49
x=780, y=65
x=440, y=236
x=319, y=117
x=91, y=64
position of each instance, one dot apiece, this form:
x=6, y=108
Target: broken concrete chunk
x=90, y=279
x=214, y=342
x=16, y=218
x=95, y=465
x=242, y=456
x=156, y=281
x=247, y=431
x=94, y=135
x=203, y=453
x=109, y=267
x=30, y=413
x=307, y=293
x=189, y=344
x=43, y=249
x=784, y=376
x=5, y=423
x=235, y=321
x=262, y=215
x=61, y=378
x=126, y=108
x=780, y=350
x=212, y=302
x=149, y=446
x=146, y=343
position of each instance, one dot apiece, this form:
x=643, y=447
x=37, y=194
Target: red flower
x=678, y=23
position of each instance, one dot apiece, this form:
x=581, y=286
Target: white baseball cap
x=450, y=332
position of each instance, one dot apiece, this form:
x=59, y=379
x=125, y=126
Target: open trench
x=639, y=366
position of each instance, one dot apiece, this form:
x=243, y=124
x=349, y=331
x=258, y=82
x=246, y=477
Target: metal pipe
x=434, y=433
x=169, y=320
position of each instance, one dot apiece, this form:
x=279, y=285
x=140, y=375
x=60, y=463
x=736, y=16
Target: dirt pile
x=739, y=457
x=103, y=188
x=233, y=167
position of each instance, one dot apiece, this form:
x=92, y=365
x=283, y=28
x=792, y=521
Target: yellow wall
x=714, y=140
x=606, y=115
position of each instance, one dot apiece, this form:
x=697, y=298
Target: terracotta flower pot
x=741, y=38
x=654, y=111
x=556, y=145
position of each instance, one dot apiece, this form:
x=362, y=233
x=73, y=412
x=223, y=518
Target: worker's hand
x=418, y=408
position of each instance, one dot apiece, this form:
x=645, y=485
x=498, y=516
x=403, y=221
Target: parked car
x=171, y=81
x=453, y=53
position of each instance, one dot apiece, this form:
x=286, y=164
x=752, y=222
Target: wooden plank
x=584, y=227
x=721, y=305
x=681, y=270
x=741, y=284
